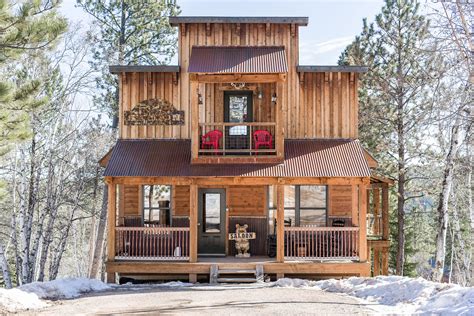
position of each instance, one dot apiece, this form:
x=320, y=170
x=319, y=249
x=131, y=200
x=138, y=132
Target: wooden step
x=236, y=280
x=237, y=271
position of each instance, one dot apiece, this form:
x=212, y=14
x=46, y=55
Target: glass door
x=238, y=109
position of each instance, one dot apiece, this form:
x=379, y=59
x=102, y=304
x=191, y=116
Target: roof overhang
x=238, y=60
x=176, y=20
x=314, y=68
x=115, y=69
x=315, y=158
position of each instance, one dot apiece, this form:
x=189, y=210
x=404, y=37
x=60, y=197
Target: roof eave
x=176, y=20
x=116, y=69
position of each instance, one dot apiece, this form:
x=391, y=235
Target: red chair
x=262, y=138
x=211, y=139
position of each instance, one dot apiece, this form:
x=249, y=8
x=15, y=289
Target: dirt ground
x=208, y=300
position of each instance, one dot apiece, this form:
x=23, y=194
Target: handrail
x=239, y=124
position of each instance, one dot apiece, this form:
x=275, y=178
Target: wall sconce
x=259, y=95
x=274, y=97
x=199, y=98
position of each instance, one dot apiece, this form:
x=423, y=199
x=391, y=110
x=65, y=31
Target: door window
x=212, y=213
x=238, y=105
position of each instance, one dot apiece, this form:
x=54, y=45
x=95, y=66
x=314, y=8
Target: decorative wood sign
x=236, y=236
x=154, y=112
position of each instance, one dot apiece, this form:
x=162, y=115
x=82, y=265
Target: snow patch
x=395, y=294
x=15, y=300
x=64, y=288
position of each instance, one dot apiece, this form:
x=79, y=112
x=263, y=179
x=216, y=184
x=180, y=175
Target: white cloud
x=311, y=51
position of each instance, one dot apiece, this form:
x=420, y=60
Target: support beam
x=280, y=223
x=385, y=261
x=193, y=222
x=355, y=206
x=280, y=122
x=385, y=215
x=247, y=78
x=362, y=222
x=111, y=220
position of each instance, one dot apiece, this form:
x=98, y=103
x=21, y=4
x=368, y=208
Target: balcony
x=237, y=142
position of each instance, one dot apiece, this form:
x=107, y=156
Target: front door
x=211, y=222
x=238, y=109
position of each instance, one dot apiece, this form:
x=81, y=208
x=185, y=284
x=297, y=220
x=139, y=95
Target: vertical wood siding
x=314, y=105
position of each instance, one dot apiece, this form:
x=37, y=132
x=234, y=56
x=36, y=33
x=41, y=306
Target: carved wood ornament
x=154, y=112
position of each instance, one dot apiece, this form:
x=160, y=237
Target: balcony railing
x=321, y=243
x=152, y=243
x=228, y=139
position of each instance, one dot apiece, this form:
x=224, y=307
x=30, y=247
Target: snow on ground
x=32, y=295
x=392, y=294
x=395, y=294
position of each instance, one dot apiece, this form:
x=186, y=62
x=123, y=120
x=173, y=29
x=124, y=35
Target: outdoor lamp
x=259, y=94
x=274, y=97
x=199, y=98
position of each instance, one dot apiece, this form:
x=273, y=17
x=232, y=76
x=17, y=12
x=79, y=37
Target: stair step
x=236, y=280
x=237, y=271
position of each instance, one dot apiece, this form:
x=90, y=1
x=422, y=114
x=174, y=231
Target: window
x=304, y=205
x=156, y=205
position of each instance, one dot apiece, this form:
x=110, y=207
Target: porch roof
x=238, y=59
x=303, y=158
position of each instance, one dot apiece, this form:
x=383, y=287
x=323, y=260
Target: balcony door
x=211, y=221
x=238, y=109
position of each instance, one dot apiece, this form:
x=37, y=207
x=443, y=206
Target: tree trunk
x=5, y=270
x=100, y=237
x=443, y=202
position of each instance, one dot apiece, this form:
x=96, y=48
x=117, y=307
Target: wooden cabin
x=239, y=134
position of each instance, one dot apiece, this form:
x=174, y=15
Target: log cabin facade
x=239, y=133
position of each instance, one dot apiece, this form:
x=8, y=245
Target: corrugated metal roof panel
x=303, y=158
x=238, y=59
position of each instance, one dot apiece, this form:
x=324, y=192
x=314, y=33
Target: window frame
x=297, y=208
x=147, y=209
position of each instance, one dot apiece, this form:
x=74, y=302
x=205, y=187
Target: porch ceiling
x=238, y=60
x=303, y=158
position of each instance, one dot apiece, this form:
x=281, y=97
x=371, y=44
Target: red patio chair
x=211, y=139
x=262, y=138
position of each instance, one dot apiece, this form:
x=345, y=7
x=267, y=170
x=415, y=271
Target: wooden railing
x=152, y=243
x=321, y=243
x=374, y=226
x=237, y=138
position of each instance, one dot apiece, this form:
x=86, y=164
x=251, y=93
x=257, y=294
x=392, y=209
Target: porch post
x=280, y=120
x=194, y=119
x=193, y=222
x=362, y=222
x=111, y=220
x=280, y=219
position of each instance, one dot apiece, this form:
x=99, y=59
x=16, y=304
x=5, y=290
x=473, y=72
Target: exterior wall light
x=274, y=97
x=259, y=94
x=199, y=98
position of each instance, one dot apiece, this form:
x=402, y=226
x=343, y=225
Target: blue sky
x=332, y=23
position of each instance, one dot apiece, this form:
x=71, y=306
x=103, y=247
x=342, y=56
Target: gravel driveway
x=209, y=300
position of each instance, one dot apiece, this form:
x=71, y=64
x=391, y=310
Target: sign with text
x=235, y=236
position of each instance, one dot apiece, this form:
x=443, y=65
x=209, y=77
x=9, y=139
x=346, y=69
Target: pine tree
x=394, y=98
x=24, y=26
x=129, y=32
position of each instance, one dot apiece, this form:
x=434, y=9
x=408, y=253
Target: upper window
x=305, y=205
x=156, y=205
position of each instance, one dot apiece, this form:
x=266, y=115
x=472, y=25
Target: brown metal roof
x=238, y=59
x=303, y=158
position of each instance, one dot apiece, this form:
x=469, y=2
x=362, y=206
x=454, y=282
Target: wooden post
x=355, y=206
x=385, y=215
x=376, y=261
x=280, y=121
x=111, y=220
x=376, y=203
x=362, y=222
x=193, y=222
x=385, y=261
x=194, y=109
x=280, y=223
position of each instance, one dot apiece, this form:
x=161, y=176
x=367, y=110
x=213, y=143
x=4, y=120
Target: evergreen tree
x=129, y=32
x=395, y=100
x=24, y=26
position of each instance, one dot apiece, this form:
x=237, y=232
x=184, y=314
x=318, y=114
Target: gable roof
x=303, y=158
